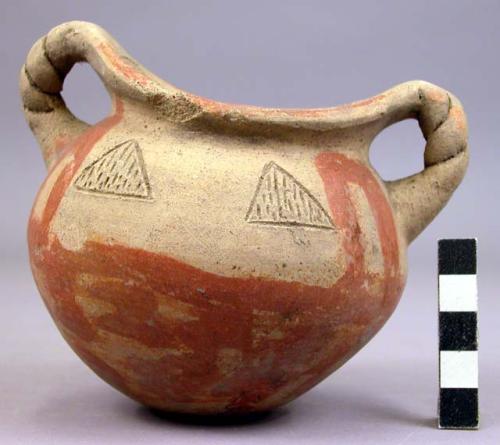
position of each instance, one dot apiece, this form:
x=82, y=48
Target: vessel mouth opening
x=182, y=106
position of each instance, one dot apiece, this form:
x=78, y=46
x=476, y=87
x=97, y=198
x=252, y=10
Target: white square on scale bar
x=457, y=293
x=458, y=369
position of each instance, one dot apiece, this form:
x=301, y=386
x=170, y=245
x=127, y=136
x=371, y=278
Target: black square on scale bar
x=457, y=256
x=458, y=408
x=458, y=331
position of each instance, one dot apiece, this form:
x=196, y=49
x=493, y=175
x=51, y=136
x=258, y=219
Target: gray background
x=269, y=53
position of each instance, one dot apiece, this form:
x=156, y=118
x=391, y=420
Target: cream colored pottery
x=204, y=257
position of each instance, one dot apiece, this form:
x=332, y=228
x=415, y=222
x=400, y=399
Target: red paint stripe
x=336, y=171
x=79, y=148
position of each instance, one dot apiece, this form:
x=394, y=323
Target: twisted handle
x=418, y=198
x=50, y=60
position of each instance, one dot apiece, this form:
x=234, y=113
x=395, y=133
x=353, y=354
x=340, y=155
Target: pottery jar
x=205, y=257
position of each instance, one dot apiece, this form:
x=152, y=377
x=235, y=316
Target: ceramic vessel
x=203, y=257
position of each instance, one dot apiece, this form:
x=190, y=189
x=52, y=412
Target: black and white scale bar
x=458, y=358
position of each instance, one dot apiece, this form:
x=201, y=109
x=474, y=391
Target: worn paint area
x=369, y=237
x=125, y=66
x=47, y=186
x=94, y=308
x=260, y=339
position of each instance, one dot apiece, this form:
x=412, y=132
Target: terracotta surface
x=208, y=258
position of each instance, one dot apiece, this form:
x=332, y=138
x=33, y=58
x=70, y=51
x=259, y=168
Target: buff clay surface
x=206, y=258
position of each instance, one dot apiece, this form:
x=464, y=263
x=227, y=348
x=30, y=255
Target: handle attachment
x=417, y=199
x=50, y=60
